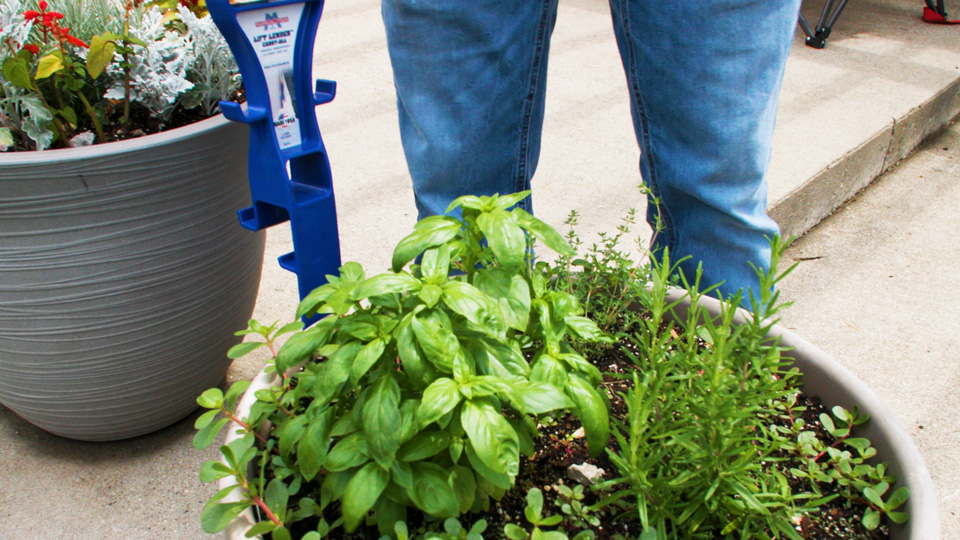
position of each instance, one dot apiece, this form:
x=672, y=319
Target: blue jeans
x=704, y=79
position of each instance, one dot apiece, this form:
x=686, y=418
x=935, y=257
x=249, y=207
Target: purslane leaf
x=242, y=349
x=216, y=516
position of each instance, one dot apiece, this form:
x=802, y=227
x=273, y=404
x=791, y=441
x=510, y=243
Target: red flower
x=34, y=49
x=43, y=5
x=76, y=41
x=51, y=16
x=63, y=33
x=30, y=14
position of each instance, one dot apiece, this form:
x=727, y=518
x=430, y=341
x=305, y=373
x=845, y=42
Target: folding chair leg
x=828, y=17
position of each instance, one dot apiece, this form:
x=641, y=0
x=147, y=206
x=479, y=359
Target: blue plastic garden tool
x=288, y=167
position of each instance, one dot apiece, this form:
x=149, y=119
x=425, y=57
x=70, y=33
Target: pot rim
x=145, y=142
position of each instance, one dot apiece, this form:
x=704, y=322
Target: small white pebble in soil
x=579, y=433
x=585, y=473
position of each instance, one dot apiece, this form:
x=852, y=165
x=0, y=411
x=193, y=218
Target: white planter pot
x=822, y=376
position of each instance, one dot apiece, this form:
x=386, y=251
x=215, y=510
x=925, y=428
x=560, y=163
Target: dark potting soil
x=556, y=450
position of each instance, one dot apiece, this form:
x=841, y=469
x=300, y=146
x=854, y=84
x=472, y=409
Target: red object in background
x=931, y=16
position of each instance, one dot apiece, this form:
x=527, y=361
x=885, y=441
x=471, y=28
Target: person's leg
x=704, y=79
x=470, y=79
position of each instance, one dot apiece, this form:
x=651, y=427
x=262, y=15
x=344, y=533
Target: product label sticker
x=272, y=32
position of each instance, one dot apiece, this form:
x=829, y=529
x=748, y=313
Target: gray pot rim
x=146, y=142
x=817, y=368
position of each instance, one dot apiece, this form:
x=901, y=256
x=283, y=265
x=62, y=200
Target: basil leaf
x=435, y=265
x=464, y=485
x=540, y=397
x=381, y=418
x=488, y=480
x=361, y=494
x=548, y=369
x=350, y=451
x=592, y=411
x=586, y=329
x=302, y=345
x=491, y=436
x=424, y=445
x=415, y=364
x=313, y=445
x=543, y=232
x=289, y=435
x=430, y=294
x=506, y=201
x=361, y=326
x=366, y=358
x=474, y=305
x=431, y=492
x=334, y=485
x=438, y=399
x=429, y=232
x=495, y=358
x=505, y=238
x=408, y=419
x=437, y=342
x=383, y=284
x=467, y=201
x=511, y=292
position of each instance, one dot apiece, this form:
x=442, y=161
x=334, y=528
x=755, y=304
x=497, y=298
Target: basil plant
x=418, y=388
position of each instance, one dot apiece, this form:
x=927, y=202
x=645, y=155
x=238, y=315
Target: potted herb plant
x=123, y=273
x=445, y=399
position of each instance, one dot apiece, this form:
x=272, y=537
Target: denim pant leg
x=470, y=80
x=704, y=79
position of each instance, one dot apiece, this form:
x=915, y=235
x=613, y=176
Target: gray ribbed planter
x=123, y=276
x=822, y=376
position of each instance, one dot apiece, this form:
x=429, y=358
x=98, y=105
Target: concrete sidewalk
x=848, y=112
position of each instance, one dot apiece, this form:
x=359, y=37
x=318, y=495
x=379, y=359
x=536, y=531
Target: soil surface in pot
x=556, y=450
